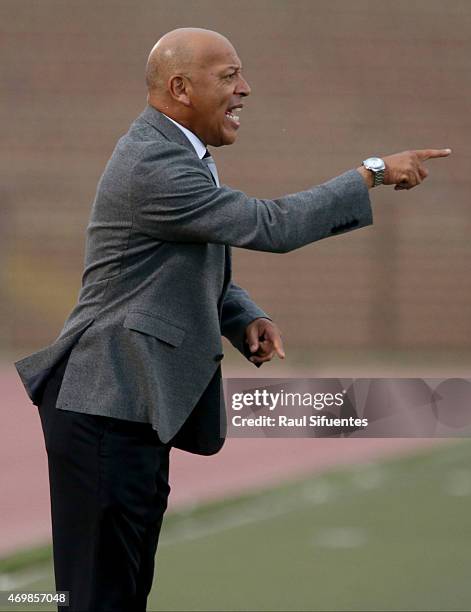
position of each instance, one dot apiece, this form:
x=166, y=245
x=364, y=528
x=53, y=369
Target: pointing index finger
x=424, y=154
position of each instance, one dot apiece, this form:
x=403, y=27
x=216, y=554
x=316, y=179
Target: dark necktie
x=209, y=161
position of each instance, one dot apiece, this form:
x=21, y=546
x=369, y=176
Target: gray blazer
x=144, y=339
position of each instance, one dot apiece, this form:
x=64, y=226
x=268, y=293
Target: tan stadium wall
x=332, y=82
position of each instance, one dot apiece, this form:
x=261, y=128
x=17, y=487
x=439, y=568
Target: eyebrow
x=233, y=66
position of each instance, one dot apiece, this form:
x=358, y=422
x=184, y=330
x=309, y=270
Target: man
x=136, y=368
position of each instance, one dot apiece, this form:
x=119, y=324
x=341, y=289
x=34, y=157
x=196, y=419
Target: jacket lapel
x=159, y=121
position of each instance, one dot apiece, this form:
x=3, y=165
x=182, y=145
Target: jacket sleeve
x=174, y=199
x=238, y=310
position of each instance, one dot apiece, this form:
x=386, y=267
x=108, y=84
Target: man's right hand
x=405, y=170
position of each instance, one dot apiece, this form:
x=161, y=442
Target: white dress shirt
x=193, y=138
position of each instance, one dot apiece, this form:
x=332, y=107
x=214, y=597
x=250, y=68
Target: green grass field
x=394, y=535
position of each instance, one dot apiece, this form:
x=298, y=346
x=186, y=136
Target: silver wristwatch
x=377, y=166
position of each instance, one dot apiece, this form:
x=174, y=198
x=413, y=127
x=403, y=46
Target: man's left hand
x=264, y=340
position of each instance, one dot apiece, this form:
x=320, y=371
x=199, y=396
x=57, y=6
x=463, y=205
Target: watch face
x=375, y=163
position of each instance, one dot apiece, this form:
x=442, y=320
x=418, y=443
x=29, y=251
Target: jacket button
x=219, y=357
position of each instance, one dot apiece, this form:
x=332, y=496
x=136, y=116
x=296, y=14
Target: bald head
x=194, y=76
x=184, y=51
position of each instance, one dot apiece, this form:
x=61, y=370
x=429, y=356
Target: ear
x=178, y=86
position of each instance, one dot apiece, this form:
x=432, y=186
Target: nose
x=243, y=88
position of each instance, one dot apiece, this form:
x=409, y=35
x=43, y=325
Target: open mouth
x=232, y=117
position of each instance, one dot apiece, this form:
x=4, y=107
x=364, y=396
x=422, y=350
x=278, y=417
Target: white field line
x=340, y=537
x=261, y=510
x=19, y=580
x=264, y=508
x=458, y=483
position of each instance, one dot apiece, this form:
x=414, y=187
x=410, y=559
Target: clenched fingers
x=423, y=172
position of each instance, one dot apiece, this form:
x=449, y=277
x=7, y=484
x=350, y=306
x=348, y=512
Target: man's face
x=216, y=92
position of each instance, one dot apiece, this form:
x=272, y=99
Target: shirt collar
x=193, y=138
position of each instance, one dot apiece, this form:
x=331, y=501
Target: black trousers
x=109, y=486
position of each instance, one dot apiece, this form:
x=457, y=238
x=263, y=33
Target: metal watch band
x=379, y=177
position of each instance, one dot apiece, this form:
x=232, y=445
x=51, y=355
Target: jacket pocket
x=153, y=325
